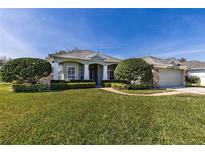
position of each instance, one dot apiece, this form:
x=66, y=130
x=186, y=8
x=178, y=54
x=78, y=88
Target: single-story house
x=83, y=65
x=197, y=68
x=90, y=65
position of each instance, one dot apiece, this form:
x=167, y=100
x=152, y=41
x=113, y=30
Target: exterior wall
x=46, y=80
x=200, y=74
x=156, y=77
x=183, y=77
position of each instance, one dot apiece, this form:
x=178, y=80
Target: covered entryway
x=96, y=73
x=171, y=77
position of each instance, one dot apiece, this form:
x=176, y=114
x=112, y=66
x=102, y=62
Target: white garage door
x=170, y=78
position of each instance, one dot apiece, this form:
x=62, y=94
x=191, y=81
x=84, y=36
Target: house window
x=81, y=73
x=71, y=73
x=111, y=74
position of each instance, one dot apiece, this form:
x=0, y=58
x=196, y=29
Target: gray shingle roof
x=83, y=54
x=158, y=61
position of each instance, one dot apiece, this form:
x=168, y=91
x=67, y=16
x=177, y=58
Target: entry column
x=56, y=71
x=105, y=72
x=86, y=72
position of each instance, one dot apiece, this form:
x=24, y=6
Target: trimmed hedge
x=27, y=87
x=124, y=86
x=140, y=86
x=59, y=86
x=120, y=86
x=77, y=85
x=70, y=81
x=107, y=83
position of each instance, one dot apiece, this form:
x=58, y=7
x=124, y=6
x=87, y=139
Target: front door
x=93, y=72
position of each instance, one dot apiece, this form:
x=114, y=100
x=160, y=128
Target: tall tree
x=182, y=59
x=4, y=60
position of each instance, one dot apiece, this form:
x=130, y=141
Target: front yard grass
x=147, y=91
x=94, y=116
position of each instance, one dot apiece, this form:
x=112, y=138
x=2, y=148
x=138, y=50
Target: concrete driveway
x=195, y=90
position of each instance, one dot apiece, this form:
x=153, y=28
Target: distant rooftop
x=194, y=64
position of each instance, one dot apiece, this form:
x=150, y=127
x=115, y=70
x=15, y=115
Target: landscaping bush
x=120, y=86
x=70, y=81
x=73, y=81
x=58, y=81
x=140, y=86
x=125, y=86
x=77, y=85
x=27, y=87
x=134, y=69
x=80, y=85
x=28, y=70
x=107, y=83
x=192, y=80
x=59, y=86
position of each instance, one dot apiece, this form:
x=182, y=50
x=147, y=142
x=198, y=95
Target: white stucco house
x=83, y=65
x=90, y=65
x=197, y=68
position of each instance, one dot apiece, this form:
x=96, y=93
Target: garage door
x=170, y=78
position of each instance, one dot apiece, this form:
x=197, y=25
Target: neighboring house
x=196, y=68
x=83, y=65
x=167, y=72
x=90, y=65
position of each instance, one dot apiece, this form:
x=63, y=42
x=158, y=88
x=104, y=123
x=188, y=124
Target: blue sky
x=122, y=33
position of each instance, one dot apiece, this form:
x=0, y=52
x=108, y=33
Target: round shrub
x=134, y=70
x=192, y=79
x=28, y=70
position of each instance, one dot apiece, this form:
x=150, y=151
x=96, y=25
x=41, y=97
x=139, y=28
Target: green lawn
x=154, y=91
x=94, y=116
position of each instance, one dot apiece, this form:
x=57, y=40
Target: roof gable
x=155, y=60
x=97, y=54
x=84, y=55
x=164, y=63
x=175, y=63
